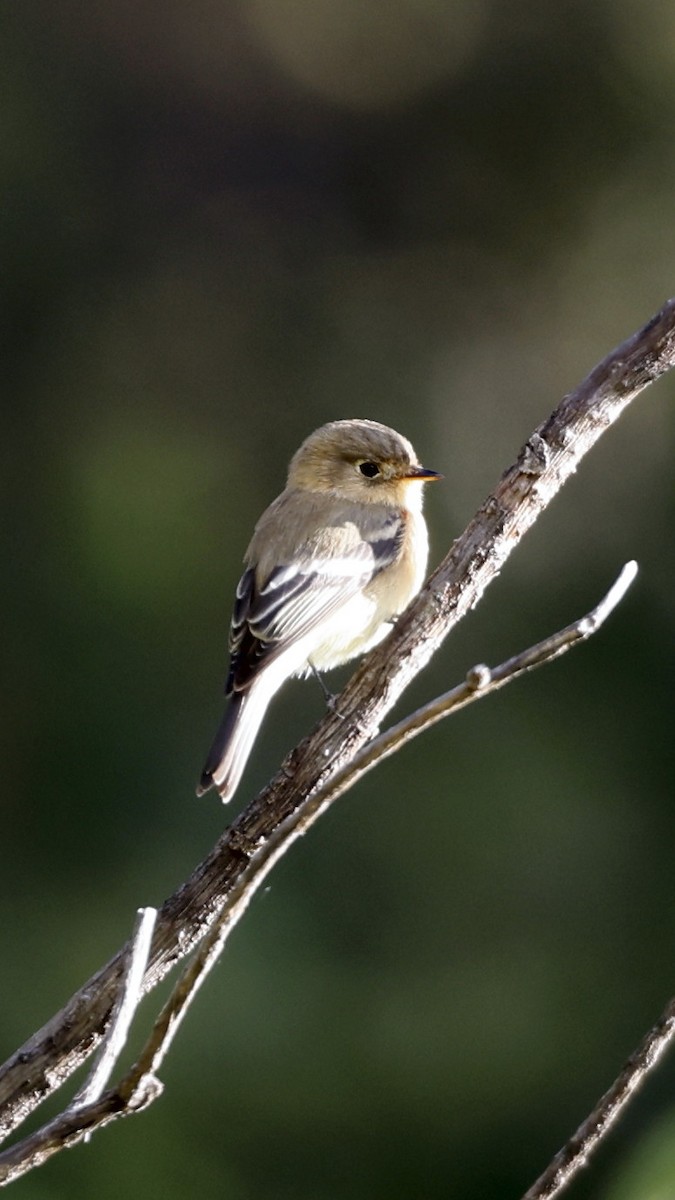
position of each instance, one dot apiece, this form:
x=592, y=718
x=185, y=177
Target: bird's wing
x=299, y=596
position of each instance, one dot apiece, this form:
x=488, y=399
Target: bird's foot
x=329, y=697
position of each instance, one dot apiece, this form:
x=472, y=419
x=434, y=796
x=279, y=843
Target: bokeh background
x=223, y=224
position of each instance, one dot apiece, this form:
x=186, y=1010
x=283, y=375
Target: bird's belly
x=358, y=625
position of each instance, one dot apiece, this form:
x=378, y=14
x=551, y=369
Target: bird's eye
x=369, y=469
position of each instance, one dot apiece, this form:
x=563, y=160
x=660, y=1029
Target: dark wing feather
x=295, y=598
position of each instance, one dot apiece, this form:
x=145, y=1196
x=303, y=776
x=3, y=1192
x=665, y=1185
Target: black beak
x=423, y=474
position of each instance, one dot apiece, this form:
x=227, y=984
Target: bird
x=332, y=563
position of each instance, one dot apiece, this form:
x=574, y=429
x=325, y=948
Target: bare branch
x=575, y=1154
x=73, y=1126
x=136, y=959
x=140, y=1086
x=547, y=460
x=481, y=681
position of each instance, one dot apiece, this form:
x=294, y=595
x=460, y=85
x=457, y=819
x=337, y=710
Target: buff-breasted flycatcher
x=332, y=561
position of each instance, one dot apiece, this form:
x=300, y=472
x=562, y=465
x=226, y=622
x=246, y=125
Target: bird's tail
x=233, y=741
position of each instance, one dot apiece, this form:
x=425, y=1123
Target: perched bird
x=333, y=559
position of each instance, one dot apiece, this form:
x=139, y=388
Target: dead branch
x=576, y=1152
x=549, y=457
x=140, y=1086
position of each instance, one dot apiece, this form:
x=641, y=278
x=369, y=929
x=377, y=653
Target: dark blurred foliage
x=222, y=225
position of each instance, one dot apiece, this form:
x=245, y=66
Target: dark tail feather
x=219, y=743
x=233, y=742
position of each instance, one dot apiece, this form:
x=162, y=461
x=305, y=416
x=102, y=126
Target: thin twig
x=482, y=681
x=576, y=1152
x=73, y=1126
x=140, y=1085
x=548, y=459
x=127, y=1002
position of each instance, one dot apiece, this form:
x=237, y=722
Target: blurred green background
x=222, y=225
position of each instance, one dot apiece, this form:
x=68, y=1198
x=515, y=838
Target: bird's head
x=360, y=461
